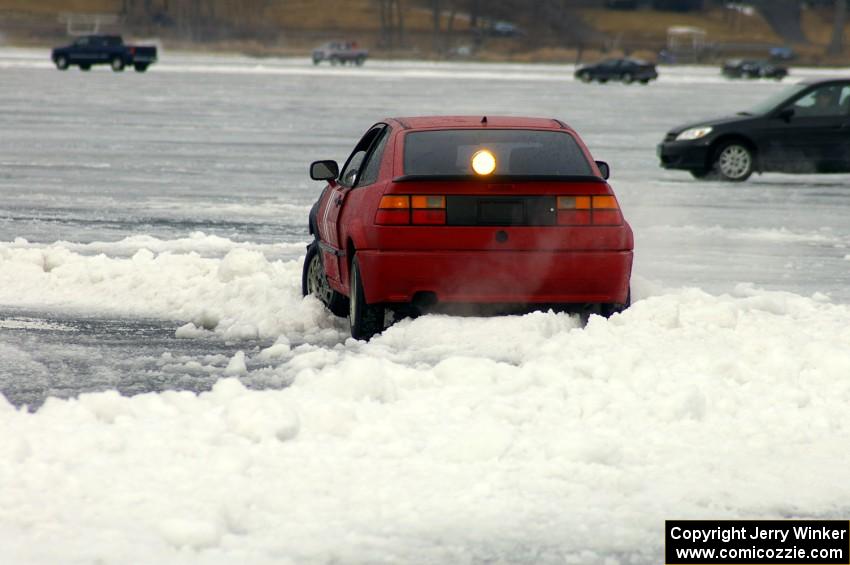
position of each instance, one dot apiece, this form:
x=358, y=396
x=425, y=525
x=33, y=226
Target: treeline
x=213, y=19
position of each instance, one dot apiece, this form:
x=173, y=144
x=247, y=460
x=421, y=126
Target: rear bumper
x=494, y=277
x=683, y=155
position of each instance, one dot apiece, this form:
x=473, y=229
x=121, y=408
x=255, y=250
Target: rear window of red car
x=518, y=152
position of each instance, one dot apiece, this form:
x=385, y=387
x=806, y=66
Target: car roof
x=812, y=81
x=455, y=122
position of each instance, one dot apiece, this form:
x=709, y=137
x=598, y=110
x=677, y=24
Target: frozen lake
x=151, y=230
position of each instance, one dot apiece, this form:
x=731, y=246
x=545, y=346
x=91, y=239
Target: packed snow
x=161, y=257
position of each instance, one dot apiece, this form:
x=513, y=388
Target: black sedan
x=744, y=68
x=625, y=70
x=803, y=129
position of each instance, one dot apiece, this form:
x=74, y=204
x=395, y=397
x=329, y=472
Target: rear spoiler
x=500, y=178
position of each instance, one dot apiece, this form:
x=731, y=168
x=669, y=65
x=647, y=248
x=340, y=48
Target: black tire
x=365, y=320
x=117, y=64
x=315, y=282
x=602, y=80
x=317, y=60
x=62, y=63
x=85, y=67
x=608, y=310
x=628, y=78
x=644, y=81
x=734, y=161
x=359, y=61
x=585, y=77
x=335, y=61
x=140, y=67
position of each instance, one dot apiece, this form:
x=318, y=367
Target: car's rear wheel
x=585, y=77
x=644, y=81
x=365, y=320
x=85, y=67
x=359, y=61
x=628, y=78
x=117, y=64
x=609, y=310
x=62, y=63
x=734, y=162
x=315, y=282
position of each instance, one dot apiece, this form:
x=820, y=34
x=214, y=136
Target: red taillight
x=429, y=210
x=432, y=217
x=392, y=217
x=393, y=211
x=606, y=212
x=396, y=210
x=588, y=210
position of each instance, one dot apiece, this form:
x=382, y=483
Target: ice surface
x=169, y=397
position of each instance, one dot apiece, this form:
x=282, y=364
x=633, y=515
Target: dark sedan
x=743, y=68
x=625, y=70
x=803, y=129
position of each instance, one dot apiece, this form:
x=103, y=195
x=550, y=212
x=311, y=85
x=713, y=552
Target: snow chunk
x=190, y=330
x=236, y=366
x=241, y=263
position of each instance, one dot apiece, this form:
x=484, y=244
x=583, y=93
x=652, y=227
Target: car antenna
x=484, y=120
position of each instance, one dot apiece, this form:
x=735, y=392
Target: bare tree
x=391, y=17
x=437, y=13
x=836, y=46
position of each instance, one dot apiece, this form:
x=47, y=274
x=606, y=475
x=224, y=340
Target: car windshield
x=517, y=152
x=773, y=101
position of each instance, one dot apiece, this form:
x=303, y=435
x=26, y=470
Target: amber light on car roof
x=483, y=162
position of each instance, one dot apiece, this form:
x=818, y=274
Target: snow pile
x=240, y=296
x=516, y=439
x=197, y=242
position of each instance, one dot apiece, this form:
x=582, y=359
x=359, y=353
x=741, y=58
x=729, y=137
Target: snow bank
x=242, y=295
x=446, y=439
x=197, y=242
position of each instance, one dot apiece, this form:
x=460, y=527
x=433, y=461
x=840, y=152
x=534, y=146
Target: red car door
x=331, y=209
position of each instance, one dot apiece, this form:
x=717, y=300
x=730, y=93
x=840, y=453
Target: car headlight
x=694, y=133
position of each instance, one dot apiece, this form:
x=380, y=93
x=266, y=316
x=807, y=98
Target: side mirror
x=324, y=170
x=604, y=169
x=786, y=114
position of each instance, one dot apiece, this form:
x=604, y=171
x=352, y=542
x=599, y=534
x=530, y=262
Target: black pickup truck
x=109, y=50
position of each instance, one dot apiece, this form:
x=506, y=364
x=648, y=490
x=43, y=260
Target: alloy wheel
x=317, y=283
x=735, y=162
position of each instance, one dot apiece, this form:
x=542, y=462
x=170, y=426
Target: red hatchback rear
x=466, y=210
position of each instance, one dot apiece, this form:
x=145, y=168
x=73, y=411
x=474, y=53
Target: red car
x=466, y=210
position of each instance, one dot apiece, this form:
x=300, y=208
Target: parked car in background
x=803, y=129
x=111, y=50
x=747, y=68
x=624, y=70
x=340, y=53
x=469, y=210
